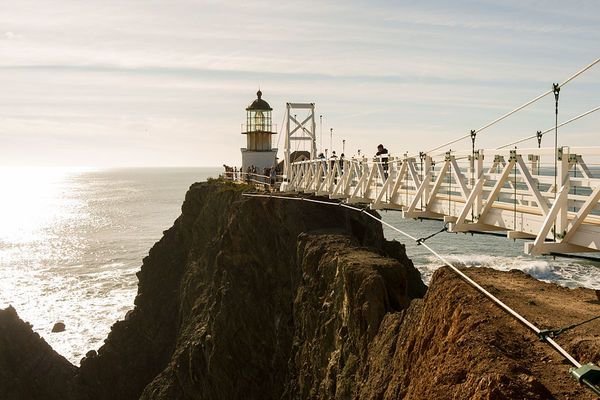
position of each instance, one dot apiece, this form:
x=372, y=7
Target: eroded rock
x=29, y=368
x=58, y=327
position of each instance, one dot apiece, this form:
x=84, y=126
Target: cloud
x=377, y=69
x=11, y=35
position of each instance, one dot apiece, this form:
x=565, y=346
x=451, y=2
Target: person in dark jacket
x=383, y=155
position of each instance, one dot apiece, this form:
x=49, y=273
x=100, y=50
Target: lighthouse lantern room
x=258, y=152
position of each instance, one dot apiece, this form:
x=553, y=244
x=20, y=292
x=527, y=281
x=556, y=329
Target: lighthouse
x=258, y=130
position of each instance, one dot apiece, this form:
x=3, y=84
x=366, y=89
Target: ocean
x=71, y=241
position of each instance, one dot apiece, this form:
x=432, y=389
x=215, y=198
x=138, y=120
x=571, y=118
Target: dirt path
x=549, y=306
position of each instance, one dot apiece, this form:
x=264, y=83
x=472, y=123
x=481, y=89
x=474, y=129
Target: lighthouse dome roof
x=259, y=104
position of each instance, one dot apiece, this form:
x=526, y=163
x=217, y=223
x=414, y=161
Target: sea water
x=71, y=241
x=478, y=250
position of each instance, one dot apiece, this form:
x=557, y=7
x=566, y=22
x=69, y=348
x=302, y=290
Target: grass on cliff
x=229, y=185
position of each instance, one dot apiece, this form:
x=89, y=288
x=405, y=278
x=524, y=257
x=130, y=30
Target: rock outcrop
x=237, y=294
x=248, y=298
x=29, y=368
x=344, y=295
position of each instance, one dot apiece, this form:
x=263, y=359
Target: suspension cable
x=449, y=143
x=575, y=75
x=553, y=90
x=280, y=130
x=508, y=114
x=422, y=239
x=558, y=331
x=542, y=133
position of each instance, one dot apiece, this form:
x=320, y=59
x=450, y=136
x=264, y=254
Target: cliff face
x=247, y=298
x=344, y=294
x=236, y=297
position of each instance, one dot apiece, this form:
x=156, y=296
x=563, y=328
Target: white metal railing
x=516, y=191
x=266, y=182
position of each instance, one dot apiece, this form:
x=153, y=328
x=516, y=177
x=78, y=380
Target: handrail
x=471, y=192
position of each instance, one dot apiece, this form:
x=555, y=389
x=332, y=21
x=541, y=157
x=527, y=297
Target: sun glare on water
x=32, y=198
x=33, y=202
x=42, y=251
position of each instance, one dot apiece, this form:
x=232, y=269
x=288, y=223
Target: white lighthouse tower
x=258, y=151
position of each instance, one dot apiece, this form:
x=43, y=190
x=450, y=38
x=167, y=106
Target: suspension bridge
x=547, y=196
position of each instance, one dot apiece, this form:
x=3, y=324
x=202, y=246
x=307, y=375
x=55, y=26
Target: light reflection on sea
x=71, y=241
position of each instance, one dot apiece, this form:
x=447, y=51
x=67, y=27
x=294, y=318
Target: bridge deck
x=519, y=192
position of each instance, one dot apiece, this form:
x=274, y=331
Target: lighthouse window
x=259, y=121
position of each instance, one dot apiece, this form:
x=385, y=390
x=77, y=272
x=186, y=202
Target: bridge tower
x=298, y=129
x=258, y=130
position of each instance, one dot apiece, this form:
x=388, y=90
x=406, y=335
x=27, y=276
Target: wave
x=565, y=273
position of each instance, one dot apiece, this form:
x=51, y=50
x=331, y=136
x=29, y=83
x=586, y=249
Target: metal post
x=562, y=174
x=478, y=173
x=556, y=91
x=429, y=164
x=287, y=170
x=536, y=158
x=331, y=139
x=406, y=180
x=448, y=155
x=320, y=132
x=422, y=157
x=515, y=195
x=575, y=176
x=472, y=166
x=313, y=128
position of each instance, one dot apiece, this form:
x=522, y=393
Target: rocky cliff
x=29, y=368
x=248, y=298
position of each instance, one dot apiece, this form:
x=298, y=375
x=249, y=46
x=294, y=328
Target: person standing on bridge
x=321, y=158
x=383, y=155
x=273, y=177
x=333, y=160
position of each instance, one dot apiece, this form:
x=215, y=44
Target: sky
x=166, y=83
